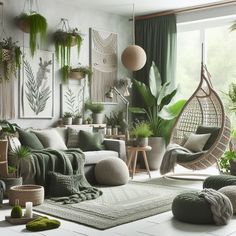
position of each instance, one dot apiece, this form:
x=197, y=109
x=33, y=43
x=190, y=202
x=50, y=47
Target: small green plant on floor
x=224, y=161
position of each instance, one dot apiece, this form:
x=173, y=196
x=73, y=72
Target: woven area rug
x=117, y=205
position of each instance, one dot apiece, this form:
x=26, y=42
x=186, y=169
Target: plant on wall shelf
x=34, y=24
x=64, y=39
x=10, y=58
x=79, y=72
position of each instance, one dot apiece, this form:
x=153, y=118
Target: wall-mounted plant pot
x=76, y=75
x=67, y=120
x=23, y=25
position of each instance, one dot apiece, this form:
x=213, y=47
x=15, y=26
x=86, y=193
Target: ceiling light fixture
x=134, y=57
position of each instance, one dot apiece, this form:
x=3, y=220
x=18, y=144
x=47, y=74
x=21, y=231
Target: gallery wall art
x=36, y=95
x=72, y=97
x=103, y=60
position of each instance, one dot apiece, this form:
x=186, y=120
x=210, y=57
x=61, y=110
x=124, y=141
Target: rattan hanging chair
x=204, y=108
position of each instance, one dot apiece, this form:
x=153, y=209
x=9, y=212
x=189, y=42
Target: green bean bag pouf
x=219, y=181
x=192, y=208
x=42, y=223
x=230, y=192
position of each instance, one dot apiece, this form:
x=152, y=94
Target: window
x=219, y=54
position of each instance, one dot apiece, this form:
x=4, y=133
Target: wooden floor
x=160, y=225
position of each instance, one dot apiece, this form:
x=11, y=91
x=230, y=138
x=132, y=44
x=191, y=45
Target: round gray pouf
x=111, y=171
x=230, y=192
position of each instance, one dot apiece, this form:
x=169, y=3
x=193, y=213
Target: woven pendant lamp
x=134, y=57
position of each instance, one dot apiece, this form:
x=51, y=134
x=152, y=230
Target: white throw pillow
x=50, y=138
x=73, y=135
x=196, y=142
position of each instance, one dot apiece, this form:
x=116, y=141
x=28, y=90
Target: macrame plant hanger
x=7, y=99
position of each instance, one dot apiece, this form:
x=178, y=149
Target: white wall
x=78, y=17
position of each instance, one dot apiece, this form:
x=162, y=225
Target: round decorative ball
x=230, y=192
x=191, y=208
x=134, y=58
x=111, y=171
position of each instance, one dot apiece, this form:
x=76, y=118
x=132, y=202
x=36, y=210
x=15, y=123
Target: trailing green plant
x=159, y=109
x=7, y=129
x=231, y=95
x=37, y=25
x=94, y=107
x=83, y=70
x=67, y=115
x=63, y=41
x=224, y=161
x=10, y=58
x=17, y=154
x=141, y=130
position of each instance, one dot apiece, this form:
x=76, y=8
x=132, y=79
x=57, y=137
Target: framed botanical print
x=36, y=88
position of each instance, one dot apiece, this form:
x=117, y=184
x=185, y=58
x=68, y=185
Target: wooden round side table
x=133, y=154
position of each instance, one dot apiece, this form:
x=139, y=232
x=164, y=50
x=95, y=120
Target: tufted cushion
x=219, y=181
x=111, y=171
x=192, y=208
x=230, y=192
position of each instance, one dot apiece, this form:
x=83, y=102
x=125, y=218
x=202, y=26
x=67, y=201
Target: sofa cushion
x=73, y=135
x=90, y=141
x=50, y=139
x=93, y=157
x=30, y=140
x=63, y=133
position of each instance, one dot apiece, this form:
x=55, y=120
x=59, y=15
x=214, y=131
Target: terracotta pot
x=23, y=25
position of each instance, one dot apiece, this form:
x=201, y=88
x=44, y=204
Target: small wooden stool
x=133, y=153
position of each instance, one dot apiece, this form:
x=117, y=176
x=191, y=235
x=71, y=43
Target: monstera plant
x=159, y=110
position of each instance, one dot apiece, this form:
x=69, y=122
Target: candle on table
x=28, y=210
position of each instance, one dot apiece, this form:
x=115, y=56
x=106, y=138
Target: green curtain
x=157, y=36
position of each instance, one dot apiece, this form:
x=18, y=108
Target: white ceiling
x=124, y=7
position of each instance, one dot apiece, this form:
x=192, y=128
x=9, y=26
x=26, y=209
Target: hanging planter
x=10, y=58
x=64, y=39
x=34, y=24
x=77, y=73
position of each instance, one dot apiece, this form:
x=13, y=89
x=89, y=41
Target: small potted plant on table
x=96, y=109
x=78, y=120
x=141, y=132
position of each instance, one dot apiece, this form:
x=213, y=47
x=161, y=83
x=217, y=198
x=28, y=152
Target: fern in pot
x=77, y=73
x=10, y=58
x=96, y=109
x=34, y=24
x=141, y=132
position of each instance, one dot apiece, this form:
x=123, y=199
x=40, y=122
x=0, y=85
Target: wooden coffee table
x=133, y=154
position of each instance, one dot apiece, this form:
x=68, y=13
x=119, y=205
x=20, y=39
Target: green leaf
x=162, y=93
x=145, y=93
x=172, y=111
x=137, y=110
x=154, y=80
x=167, y=99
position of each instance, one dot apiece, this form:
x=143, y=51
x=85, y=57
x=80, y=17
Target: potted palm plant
x=34, y=24
x=10, y=58
x=77, y=73
x=64, y=39
x=96, y=109
x=141, y=132
x=158, y=111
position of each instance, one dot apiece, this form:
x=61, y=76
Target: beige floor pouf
x=230, y=192
x=111, y=171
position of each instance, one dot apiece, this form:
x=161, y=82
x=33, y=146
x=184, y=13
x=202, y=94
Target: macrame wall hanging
x=103, y=60
x=7, y=87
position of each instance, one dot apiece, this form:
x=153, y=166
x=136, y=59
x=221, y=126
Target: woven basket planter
x=6, y=55
x=76, y=75
x=26, y=193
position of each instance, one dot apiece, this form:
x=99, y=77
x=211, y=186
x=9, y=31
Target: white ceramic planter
x=97, y=118
x=67, y=120
x=156, y=154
